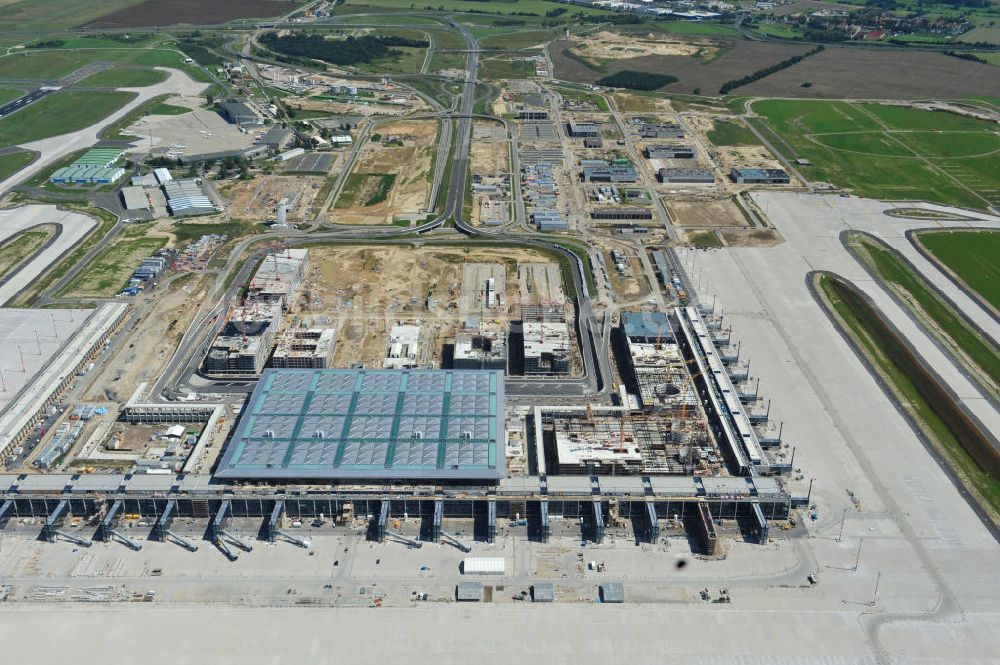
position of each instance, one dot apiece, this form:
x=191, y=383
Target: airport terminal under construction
x=683, y=443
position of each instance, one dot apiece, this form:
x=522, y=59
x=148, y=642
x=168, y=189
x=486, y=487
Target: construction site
x=392, y=176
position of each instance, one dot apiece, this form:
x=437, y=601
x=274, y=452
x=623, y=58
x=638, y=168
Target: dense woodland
x=350, y=51
x=636, y=80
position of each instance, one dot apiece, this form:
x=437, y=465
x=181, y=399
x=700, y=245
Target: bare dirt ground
x=631, y=103
x=147, y=349
x=489, y=158
x=705, y=214
x=727, y=157
x=751, y=237
x=609, y=45
x=410, y=163
x=334, y=107
x=257, y=199
x=390, y=285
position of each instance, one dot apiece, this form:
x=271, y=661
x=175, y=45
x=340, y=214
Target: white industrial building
x=404, y=347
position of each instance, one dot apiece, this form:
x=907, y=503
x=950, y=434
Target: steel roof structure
x=360, y=424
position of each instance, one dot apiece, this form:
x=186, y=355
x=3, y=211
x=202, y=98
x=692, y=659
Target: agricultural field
x=124, y=78
x=971, y=256
x=194, y=12
x=522, y=8
x=60, y=113
x=701, y=65
x=12, y=162
x=836, y=73
x=887, y=152
x=35, y=15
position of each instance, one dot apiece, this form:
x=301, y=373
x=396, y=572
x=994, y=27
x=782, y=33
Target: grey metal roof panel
x=371, y=424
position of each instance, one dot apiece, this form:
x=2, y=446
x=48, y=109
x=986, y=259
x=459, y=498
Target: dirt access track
x=194, y=12
x=406, y=150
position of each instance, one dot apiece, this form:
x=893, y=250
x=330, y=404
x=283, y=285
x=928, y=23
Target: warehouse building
x=86, y=175
x=532, y=113
x=759, y=176
x=687, y=176
x=359, y=425
x=621, y=213
x=310, y=348
x=134, y=198
x=277, y=138
x=620, y=170
x=581, y=130
x=667, y=131
x=659, y=151
x=186, y=197
x=238, y=113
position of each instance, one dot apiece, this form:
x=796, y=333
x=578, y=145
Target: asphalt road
x=21, y=102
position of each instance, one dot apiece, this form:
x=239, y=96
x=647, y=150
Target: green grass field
x=972, y=255
x=13, y=251
x=13, y=162
x=503, y=68
x=110, y=270
x=125, y=78
x=731, y=133
x=946, y=324
x=54, y=64
x=520, y=39
x=161, y=108
x=888, y=152
x=9, y=95
x=60, y=113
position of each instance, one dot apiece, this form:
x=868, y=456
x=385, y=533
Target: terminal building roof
x=360, y=424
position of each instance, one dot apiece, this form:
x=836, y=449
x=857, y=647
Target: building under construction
x=485, y=348
x=656, y=372
x=243, y=345
x=620, y=441
x=279, y=276
x=309, y=348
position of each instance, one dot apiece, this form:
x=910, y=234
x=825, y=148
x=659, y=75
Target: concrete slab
x=72, y=228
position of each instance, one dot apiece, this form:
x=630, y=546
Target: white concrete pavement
x=936, y=558
x=57, y=147
x=73, y=227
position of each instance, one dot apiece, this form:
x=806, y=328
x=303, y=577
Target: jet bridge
x=273, y=526
x=380, y=523
x=544, y=529
x=491, y=521
x=435, y=532
x=54, y=521
x=164, y=522
x=652, y=523
x=107, y=525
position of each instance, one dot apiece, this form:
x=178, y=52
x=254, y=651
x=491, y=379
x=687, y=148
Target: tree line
x=767, y=71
